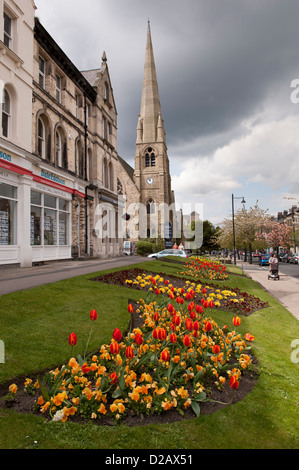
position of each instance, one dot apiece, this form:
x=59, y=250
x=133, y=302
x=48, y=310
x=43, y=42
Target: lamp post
x=233, y=211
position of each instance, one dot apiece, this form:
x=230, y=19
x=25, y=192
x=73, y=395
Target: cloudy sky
x=227, y=72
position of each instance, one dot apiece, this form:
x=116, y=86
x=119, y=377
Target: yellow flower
x=102, y=409
x=13, y=388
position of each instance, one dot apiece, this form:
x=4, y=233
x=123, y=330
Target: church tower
x=151, y=174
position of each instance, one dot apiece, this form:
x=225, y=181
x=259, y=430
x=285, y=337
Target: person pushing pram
x=273, y=261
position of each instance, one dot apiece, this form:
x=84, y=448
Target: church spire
x=150, y=110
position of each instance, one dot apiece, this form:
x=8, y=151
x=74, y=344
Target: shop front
x=35, y=212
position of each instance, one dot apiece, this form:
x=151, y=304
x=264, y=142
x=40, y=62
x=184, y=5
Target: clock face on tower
x=150, y=180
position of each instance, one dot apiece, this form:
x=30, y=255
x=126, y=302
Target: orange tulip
x=165, y=356
x=233, y=382
x=162, y=334
x=173, y=338
x=155, y=333
x=130, y=308
x=114, y=348
x=129, y=352
x=113, y=378
x=236, y=321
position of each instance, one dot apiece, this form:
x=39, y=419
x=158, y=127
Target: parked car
x=281, y=255
x=264, y=260
x=286, y=258
x=294, y=259
x=169, y=252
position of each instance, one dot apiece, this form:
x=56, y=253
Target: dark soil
x=249, y=305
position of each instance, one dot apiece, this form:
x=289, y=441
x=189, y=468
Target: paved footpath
x=285, y=290
x=13, y=278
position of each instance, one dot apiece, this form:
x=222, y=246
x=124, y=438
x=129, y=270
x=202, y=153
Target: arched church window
x=150, y=157
x=150, y=207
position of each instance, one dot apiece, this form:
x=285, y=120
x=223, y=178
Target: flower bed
x=178, y=359
x=223, y=298
x=204, y=269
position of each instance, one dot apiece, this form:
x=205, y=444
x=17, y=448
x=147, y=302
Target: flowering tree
x=275, y=234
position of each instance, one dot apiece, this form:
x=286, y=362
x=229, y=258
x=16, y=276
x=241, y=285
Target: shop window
x=8, y=214
x=50, y=220
x=6, y=114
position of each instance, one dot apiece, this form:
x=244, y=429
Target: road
x=284, y=268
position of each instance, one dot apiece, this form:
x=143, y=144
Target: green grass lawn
x=35, y=325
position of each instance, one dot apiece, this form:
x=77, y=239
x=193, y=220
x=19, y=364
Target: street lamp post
x=233, y=211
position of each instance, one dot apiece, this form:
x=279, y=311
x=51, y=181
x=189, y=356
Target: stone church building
x=149, y=199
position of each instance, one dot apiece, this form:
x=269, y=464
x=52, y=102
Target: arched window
x=111, y=177
x=150, y=207
x=41, y=138
x=119, y=187
x=105, y=173
x=79, y=159
x=150, y=157
x=58, y=147
x=89, y=165
x=6, y=114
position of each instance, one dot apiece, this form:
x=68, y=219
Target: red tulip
x=199, y=309
x=216, y=349
x=129, y=352
x=176, y=320
x=157, y=291
x=170, y=308
x=156, y=316
x=93, y=315
x=173, y=338
x=114, y=348
x=233, y=382
x=188, y=324
x=196, y=325
x=211, y=304
x=236, y=321
x=165, y=356
x=155, y=333
x=206, y=304
x=130, y=308
x=117, y=334
x=187, y=341
x=73, y=339
x=192, y=315
x=208, y=326
x=191, y=306
x=138, y=339
x=85, y=368
x=249, y=337
x=162, y=334
x=204, y=291
x=113, y=378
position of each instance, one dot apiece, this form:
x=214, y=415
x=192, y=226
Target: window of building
x=6, y=114
x=41, y=72
x=77, y=99
x=41, y=138
x=150, y=207
x=88, y=114
x=58, y=148
x=8, y=214
x=58, y=88
x=150, y=158
x=79, y=159
x=50, y=219
x=7, y=39
x=119, y=187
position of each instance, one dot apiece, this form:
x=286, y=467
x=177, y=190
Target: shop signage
x=50, y=176
x=5, y=156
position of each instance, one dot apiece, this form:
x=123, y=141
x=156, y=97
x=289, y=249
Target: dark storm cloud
x=217, y=60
